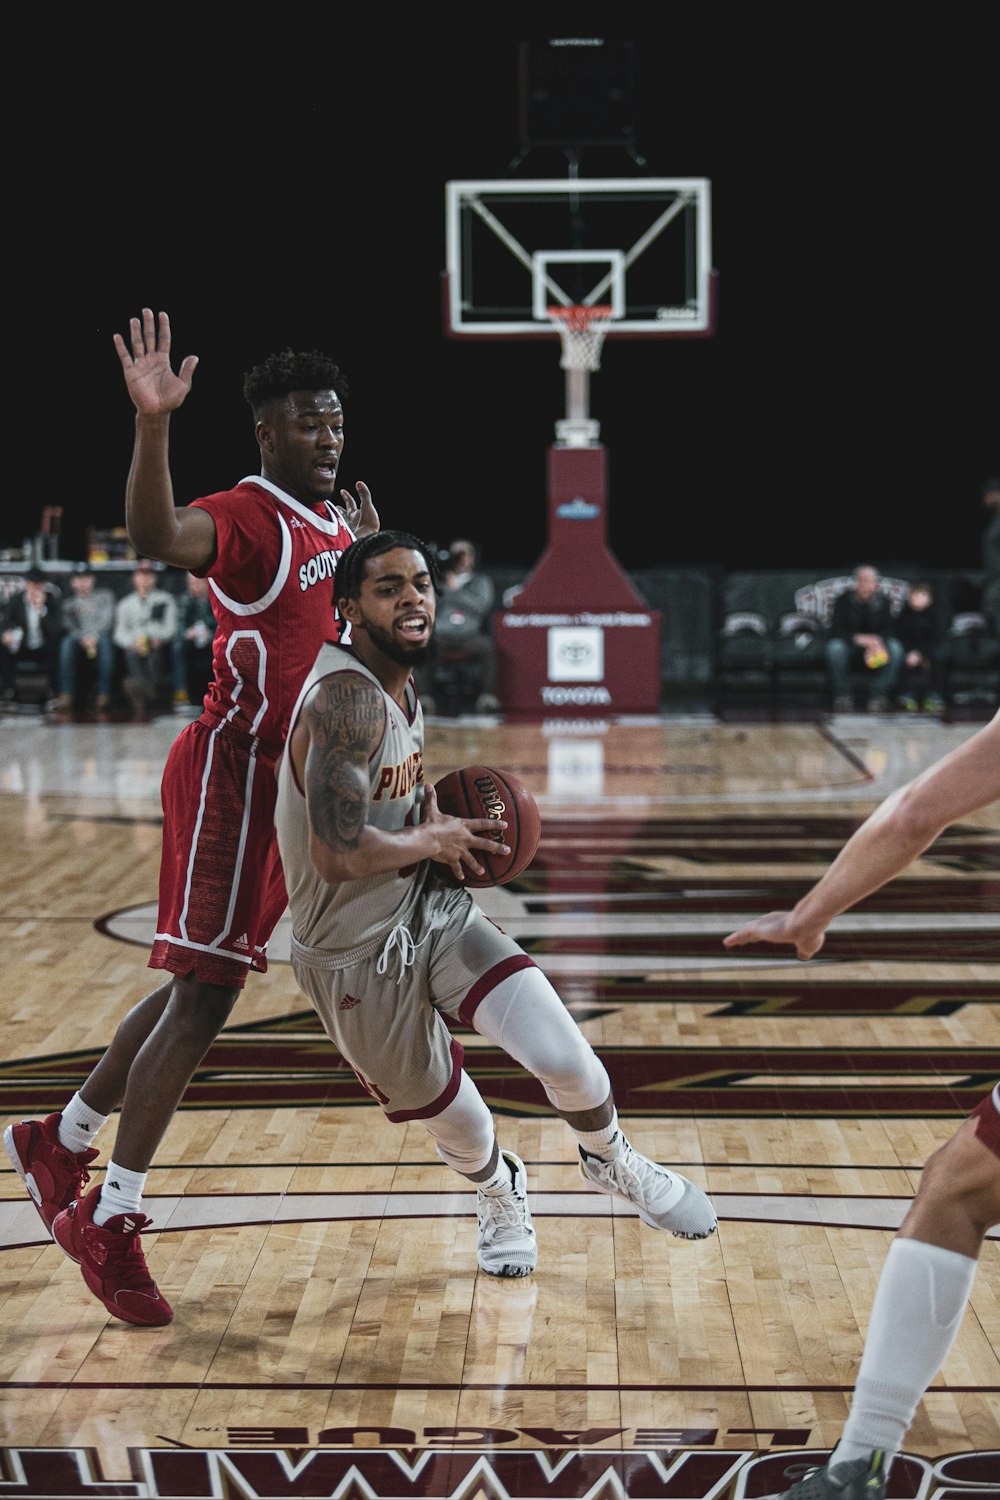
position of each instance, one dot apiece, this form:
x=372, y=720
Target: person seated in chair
x=991, y=554
x=918, y=627
x=30, y=631
x=862, y=636
x=145, y=624
x=192, y=644
x=463, y=625
x=88, y=617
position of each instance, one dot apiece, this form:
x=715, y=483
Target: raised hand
x=361, y=516
x=151, y=382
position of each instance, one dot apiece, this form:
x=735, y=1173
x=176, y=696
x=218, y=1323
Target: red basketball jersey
x=272, y=593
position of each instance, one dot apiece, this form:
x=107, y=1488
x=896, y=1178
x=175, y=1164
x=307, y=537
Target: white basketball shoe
x=506, y=1244
x=665, y=1199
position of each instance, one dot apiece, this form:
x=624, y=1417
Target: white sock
x=600, y=1142
x=121, y=1193
x=501, y=1182
x=78, y=1125
x=916, y=1313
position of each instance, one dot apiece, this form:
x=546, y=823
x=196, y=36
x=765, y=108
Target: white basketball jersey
x=351, y=920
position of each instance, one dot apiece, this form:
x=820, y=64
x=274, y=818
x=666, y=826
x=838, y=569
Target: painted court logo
x=449, y=1474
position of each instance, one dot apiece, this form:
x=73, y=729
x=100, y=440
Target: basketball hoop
x=582, y=330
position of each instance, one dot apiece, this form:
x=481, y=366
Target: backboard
x=516, y=247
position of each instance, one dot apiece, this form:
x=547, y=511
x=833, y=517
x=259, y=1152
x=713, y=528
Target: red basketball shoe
x=53, y=1175
x=111, y=1260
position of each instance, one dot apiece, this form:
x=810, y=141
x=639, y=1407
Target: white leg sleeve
x=525, y=1016
x=917, y=1311
x=464, y=1131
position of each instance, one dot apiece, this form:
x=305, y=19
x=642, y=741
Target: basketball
x=484, y=792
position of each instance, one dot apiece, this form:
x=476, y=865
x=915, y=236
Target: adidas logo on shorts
x=348, y=1003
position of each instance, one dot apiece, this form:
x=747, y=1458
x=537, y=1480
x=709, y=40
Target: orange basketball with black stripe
x=486, y=792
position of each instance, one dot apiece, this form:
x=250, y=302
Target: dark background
x=283, y=185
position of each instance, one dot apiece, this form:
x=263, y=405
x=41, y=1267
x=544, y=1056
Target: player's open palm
x=152, y=384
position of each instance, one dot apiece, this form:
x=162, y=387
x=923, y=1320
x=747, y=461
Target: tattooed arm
x=339, y=728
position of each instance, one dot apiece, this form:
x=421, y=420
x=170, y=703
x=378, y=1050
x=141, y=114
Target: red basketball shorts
x=222, y=890
x=987, y=1117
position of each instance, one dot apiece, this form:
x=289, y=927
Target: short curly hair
x=352, y=565
x=280, y=374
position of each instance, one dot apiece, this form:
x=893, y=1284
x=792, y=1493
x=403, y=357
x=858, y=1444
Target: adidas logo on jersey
x=348, y=1003
x=242, y=942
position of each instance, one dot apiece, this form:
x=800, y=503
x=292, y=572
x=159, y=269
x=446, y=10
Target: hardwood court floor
x=321, y=1262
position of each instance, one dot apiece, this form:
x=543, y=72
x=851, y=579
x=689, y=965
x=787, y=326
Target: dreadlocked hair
x=282, y=373
x=352, y=564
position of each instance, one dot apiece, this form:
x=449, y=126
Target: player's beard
x=400, y=651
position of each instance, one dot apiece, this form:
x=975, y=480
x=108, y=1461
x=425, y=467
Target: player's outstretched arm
x=185, y=538
x=901, y=828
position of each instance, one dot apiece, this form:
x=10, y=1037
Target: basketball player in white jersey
x=386, y=950
x=268, y=548
x=928, y=1274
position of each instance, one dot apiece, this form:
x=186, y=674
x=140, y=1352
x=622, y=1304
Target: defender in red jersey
x=269, y=549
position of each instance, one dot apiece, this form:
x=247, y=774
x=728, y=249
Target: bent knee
x=200, y=1009
x=962, y=1178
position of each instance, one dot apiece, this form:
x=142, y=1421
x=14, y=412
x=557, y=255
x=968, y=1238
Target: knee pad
x=526, y=1017
x=463, y=1131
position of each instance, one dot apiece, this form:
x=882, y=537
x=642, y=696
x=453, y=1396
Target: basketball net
x=581, y=330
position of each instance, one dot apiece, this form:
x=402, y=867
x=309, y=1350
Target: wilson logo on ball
x=493, y=805
x=486, y=792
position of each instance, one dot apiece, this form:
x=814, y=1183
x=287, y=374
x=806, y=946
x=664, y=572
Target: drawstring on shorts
x=402, y=939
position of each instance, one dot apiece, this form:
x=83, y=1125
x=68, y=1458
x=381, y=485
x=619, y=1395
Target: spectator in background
x=918, y=627
x=30, y=631
x=192, y=644
x=991, y=554
x=463, y=625
x=145, y=624
x=862, y=636
x=88, y=620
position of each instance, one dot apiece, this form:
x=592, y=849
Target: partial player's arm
x=184, y=537
x=339, y=728
x=899, y=830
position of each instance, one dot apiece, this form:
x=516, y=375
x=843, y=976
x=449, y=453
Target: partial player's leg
x=487, y=981
x=221, y=893
x=194, y=1015
x=466, y=1140
x=105, y=1088
x=958, y=1198
x=101, y=1231
x=918, y=1308
x=51, y=1156
x=405, y=1056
